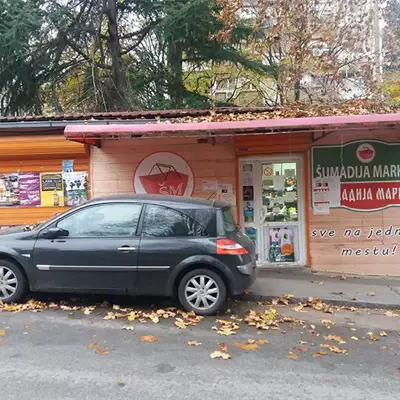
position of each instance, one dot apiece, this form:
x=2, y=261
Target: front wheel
x=13, y=285
x=202, y=291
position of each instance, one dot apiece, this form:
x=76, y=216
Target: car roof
x=176, y=201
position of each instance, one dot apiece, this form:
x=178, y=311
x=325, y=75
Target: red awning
x=92, y=134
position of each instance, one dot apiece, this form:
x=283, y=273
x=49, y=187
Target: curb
x=254, y=297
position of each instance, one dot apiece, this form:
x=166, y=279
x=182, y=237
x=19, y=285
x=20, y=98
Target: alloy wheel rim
x=8, y=283
x=202, y=292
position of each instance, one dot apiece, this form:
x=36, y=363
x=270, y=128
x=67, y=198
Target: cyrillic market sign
x=363, y=175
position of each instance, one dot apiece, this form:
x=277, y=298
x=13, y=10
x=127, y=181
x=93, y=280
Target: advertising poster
x=248, y=211
x=252, y=234
x=9, y=190
x=75, y=188
x=29, y=189
x=68, y=166
x=281, y=245
x=51, y=190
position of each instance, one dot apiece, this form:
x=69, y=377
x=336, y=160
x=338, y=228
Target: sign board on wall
x=365, y=173
x=164, y=173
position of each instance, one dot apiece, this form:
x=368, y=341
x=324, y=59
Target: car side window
x=165, y=222
x=103, y=220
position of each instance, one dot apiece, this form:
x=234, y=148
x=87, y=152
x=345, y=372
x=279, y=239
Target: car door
x=168, y=237
x=99, y=253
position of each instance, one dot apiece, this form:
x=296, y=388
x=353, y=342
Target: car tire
x=15, y=279
x=199, y=279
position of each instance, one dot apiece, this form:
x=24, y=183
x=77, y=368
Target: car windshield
x=229, y=220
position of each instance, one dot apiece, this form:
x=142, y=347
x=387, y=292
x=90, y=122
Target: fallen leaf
x=27, y=327
x=343, y=277
x=92, y=346
x=320, y=354
x=148, y=339
x=222, y=347
x=102, y=352
x=292, y=356
x=318, y=282
x=194, y=343
x=128, y=328
x=354, y=337
x=397, y=373
x=251, y=341
x=334, y=338
x=116, y=307
x=327, y=322
x=219, y=354
x=391, y=314
x=298, y=308
x=246, y=346
x=180, y=323
x=261, y=342
x=109, y=315
x=371, y=294
x=302, y=349
x=383, y=333
x=334, y=349
x=383, y=347
x=303, y=342
x=373, y=337
x=3, y=333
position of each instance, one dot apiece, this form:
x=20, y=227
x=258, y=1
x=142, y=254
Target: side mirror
x=54, y=233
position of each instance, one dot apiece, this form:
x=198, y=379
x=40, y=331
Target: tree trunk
x=297, y=91
x=114, y=47
x=175, y=87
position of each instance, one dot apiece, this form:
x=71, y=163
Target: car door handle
x=126, y=248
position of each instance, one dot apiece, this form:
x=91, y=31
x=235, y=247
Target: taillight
x=228, y=246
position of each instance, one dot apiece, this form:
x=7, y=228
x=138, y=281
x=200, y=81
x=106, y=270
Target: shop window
x=279, y=192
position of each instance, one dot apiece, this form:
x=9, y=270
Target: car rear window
x=229, y=224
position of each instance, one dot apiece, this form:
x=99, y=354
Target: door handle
x=126, y=248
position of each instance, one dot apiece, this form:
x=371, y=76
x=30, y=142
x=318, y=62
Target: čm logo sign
x=164, y=173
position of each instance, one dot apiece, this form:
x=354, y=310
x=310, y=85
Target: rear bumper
x=245, y=277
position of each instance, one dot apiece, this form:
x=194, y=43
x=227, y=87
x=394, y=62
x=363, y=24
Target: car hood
x=17, y=232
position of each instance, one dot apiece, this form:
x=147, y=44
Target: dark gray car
x=138, y=245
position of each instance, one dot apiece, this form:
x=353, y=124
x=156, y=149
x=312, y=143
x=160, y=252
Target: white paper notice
x=210, y=186
x=321, y=209
x=321, y=197
x=279, y=182
x=247, y=175
x=334, y=191
x=225, y=192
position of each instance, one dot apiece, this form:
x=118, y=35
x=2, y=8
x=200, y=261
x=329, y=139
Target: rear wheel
x=13, y=285
x=202, y=291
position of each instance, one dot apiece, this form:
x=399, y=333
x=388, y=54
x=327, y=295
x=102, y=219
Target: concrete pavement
x=46, y=356
x=372, y=292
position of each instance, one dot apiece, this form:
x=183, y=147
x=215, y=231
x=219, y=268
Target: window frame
x=143, y=217
x=81, y=209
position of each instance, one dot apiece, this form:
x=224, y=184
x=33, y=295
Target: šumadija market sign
x=368, y=170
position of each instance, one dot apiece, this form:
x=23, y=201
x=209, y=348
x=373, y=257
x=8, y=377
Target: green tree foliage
x=105, y=55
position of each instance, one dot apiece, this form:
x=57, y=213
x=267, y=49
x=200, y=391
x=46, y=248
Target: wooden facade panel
x=25, y=147
x=43, y=153
x=114, y=174
x=333, y=253
x=270, y=144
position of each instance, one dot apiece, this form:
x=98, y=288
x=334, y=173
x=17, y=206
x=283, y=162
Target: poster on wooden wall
x=29, y=189
x=364, y=174
x=75, y=188
x=51, y=189
x=9, y=189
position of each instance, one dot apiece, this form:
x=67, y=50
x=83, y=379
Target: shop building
x=321, y=192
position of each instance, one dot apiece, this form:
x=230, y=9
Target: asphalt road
x=45, y=356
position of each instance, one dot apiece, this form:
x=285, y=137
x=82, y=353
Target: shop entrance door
x=272, y=208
